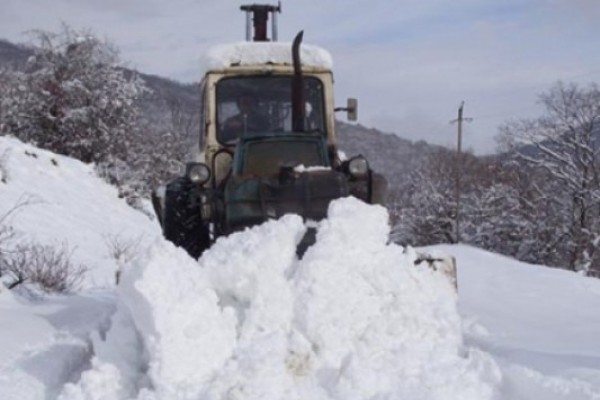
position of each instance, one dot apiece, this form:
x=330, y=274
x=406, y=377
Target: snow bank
x=253, y=53
x=64, y=202
x=354, y=319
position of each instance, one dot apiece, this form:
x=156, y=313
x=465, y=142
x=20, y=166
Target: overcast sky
x=409, y=62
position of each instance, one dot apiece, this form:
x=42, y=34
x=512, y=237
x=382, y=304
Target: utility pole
x=459, y=122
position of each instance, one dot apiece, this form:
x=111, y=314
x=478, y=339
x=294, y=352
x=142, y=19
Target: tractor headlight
x=358, y=167
x=198, y=173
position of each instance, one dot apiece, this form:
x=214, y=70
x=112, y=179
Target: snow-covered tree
x=73, y=98
x=426, y=207
x=167, y=135
x=491, y=215
x=8, y=87
x=565, y=145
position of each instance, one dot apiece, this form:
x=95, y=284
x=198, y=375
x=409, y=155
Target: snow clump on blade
x=354, y=319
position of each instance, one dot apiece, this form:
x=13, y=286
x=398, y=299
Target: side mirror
x=352, y=109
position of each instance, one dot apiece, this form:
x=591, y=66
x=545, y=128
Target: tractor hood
x=277, y=175
x=265, y=155
x=253, y=200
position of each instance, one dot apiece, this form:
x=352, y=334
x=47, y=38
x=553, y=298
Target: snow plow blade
x=445, y=264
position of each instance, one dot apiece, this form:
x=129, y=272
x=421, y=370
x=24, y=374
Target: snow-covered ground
x=541, y=325
x=354, y=319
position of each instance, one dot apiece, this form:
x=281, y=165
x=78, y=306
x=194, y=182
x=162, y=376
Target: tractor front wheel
x=182, y=220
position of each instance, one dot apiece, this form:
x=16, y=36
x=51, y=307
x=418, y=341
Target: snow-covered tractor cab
x=267, y=144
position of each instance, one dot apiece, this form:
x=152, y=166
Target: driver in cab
x=248, y=120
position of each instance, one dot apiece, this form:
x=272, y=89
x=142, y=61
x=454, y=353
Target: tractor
x=267, y=142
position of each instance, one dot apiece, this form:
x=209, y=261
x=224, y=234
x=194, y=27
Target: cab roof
x=264, y=53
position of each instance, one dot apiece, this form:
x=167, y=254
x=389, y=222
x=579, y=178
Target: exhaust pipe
x=298, y=106
x=257, y=16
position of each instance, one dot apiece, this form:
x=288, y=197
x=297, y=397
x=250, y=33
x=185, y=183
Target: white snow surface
x=66, y=203
x=353, y=319
x=257, y=53
x=540, y=324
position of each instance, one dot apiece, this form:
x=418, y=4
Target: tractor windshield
x=257, y=105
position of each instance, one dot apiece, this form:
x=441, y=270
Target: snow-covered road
x=540, y=324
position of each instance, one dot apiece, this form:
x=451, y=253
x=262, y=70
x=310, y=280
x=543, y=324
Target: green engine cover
x=265, y=185
x=253, y=200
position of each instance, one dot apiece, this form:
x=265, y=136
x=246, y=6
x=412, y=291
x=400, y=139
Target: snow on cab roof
x=253, y=53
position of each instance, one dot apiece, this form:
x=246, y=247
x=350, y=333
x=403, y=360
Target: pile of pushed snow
x=62, y=202
x=354, y=319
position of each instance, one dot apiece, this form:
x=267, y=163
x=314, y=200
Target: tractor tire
x=182, y=221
